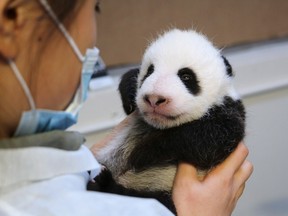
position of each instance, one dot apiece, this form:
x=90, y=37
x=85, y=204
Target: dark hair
x=63, y=8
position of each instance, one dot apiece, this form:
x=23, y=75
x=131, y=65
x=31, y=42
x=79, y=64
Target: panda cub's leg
x=105, y=182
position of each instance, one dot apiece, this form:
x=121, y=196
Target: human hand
x=218, y=192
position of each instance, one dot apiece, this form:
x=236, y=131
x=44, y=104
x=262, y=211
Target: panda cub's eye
x=189, y=79
x=186, y=77
x=186, y=74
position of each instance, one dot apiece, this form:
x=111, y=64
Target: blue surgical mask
x=41, y=120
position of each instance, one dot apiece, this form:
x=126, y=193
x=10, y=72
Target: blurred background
x=254, y=37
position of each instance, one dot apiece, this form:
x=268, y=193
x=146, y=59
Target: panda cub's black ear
x=128, y=90
x=228, y=67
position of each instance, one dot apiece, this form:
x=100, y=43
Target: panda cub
x=185, y=109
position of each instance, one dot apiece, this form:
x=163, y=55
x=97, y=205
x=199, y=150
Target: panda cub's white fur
x=175, y=50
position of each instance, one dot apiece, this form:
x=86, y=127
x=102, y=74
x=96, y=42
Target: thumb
x=186, y=172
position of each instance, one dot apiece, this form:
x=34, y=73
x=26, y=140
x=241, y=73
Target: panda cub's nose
x=155, y=100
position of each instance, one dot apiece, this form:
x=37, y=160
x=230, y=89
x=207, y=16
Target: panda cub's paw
x=101, y=182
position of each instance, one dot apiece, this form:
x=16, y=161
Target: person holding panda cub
x=47, y=55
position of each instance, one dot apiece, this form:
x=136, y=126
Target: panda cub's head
x=182, y=75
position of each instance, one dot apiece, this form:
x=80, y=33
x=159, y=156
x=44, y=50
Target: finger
x=240, y=191
x=187, y=172
x=234, y=161
x=244, y=172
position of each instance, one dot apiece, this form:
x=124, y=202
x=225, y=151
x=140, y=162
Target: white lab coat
x=44, y=181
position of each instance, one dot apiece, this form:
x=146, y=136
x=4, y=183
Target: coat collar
x=36, y=161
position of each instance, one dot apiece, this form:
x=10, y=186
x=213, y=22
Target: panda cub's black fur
x=185, y=109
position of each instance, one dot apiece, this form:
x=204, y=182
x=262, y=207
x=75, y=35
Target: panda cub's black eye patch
x=189, y=79
x=150, y=70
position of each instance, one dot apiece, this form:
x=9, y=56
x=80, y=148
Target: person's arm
x=216, y=194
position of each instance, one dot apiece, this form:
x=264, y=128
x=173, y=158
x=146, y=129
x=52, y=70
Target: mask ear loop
x=61, y=27
x=23, y=83
x=69, y=39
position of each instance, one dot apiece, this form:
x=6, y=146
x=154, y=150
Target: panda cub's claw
x=102, y=181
